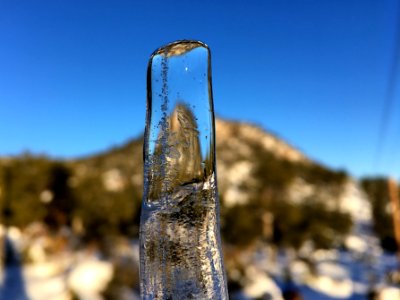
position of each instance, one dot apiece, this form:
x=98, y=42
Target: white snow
x=356, y=243
x=236, y=175
x=333, y=280
x=341, y=289
x=355, y=201
x=389, y=293
x=299, y=270
x=90, y=277
x=47, y=288
x=113, y=180
x=260, y=284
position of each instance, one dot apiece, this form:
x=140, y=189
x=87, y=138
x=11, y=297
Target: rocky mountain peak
x=242, y=135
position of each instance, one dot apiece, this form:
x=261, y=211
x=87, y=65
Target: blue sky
x=72, y=73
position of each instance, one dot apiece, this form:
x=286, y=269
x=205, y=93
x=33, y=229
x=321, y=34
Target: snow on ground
x=389, y=293
x=355, y=201
x=90, y=277
x=54, y=278
x=260, y=285
x=54, y=288
x=51, y=280
x=336, y=288
x=326, y=275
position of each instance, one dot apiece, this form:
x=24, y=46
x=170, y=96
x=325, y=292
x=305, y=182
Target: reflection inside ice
x=180, y=244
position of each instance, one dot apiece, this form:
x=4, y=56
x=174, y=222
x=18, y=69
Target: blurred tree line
x=377, y=190
x=272, y=216
x=40, y=189
x=100, y=195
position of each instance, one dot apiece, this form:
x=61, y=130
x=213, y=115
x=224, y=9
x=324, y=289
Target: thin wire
x=390, y=93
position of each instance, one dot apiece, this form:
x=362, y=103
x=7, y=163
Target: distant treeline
x=101, y=195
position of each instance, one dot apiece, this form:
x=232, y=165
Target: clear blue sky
x=315, y=72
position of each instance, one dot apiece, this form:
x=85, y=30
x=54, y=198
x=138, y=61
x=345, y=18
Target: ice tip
x=179, y=47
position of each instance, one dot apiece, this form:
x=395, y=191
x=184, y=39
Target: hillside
x=257, y=172
x=272, y=197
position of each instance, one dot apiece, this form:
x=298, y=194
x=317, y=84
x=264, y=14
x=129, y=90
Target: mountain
x=272, y=196
x=245, y=154
x=266, y=188
x=240, y=136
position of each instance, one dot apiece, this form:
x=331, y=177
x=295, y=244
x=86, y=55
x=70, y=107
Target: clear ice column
x=180, y=248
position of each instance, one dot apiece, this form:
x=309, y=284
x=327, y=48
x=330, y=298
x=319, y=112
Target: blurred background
x=306, y=95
